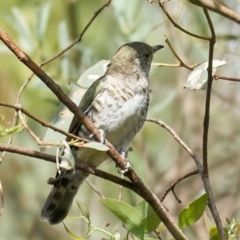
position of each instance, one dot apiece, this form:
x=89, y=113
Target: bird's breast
x=120, y=110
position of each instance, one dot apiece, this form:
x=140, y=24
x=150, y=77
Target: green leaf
x=150, y=218
x=127, y=214
x=83, y=209
x=96, y=145
x=17, y=129
x=213, y=234
x=72, y=235
x=193, y=212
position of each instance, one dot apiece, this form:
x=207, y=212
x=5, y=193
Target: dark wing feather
x=86, y=103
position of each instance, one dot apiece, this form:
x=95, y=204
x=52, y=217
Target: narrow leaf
x=17, y=129
x=193, y=212
x=72, y=235
x=83, y=209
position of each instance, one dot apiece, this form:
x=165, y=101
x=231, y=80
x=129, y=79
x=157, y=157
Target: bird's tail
x=59, y=201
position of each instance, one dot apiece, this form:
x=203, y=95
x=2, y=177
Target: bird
x=117, y=104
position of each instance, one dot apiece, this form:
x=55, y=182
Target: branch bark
x=205, y=174
x=218, y=8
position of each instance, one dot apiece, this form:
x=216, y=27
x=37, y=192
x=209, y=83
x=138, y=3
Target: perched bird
x=117, y=103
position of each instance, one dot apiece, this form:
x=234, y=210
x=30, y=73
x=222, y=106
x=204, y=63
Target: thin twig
x=171, y=188
x=161, y=4
x=205, y=175
x=218, y=8
x=34, y=136
x=79, y=38
x=178, y=139
x=82, y=167
x=94, y=189
x=221, y=77
x=18, y=107
x=181, y=63
x=157, y=235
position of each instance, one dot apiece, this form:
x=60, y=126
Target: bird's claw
x=128, y=167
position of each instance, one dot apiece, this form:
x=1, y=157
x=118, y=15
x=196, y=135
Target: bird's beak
x=157, y=47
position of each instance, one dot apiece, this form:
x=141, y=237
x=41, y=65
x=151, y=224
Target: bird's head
x=134, y=56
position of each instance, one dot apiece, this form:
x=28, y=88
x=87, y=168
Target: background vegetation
x=43, y=28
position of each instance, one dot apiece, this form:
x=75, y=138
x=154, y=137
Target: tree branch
x=221, y=77
x=179, y=140
x=82, y=167
x=218, y=8
x=161, y=4
x=205, y=174
x=173, y=185
x=18, y=107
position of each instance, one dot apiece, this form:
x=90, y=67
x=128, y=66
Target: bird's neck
x=127, y=68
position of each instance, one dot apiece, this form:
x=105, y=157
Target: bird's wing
x=93, y=92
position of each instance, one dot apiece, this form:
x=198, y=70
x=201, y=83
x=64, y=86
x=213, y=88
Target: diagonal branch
x=218, y=8
x=179, y=140
x=18, y=107
x=79, y=38
x=161, y=4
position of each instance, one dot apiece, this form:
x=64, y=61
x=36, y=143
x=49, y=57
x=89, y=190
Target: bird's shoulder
x=95, y=89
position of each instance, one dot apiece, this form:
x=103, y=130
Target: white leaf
x=197, y=79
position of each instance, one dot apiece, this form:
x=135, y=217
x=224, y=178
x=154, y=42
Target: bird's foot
x=128, y=167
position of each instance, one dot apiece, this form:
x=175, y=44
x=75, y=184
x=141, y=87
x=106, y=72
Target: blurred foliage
x=42, y=29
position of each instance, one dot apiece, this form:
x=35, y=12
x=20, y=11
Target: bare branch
x=82, y=167
x=205, y=174
x=218, y=8
x=161, y=4
x=178, y=139
x=181, y=63
x=221, y=77
x=171, y=188
x=79, y=38
x=94, y=189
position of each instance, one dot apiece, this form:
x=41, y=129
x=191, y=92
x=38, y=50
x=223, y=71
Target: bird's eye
x=147, y=55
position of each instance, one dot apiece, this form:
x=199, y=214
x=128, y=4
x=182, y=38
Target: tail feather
x=59, y=201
